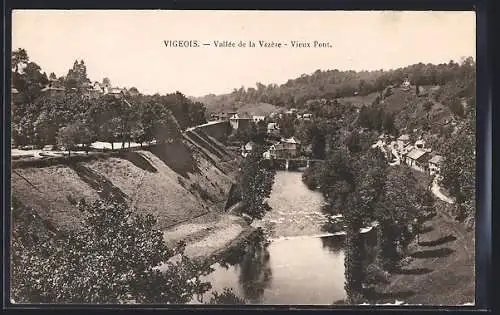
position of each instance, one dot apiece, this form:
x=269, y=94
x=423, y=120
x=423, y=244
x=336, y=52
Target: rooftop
x=291, y=140
x=404, y=137
x=416, y=154
x=436, y=159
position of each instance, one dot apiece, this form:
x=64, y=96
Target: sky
x=128, y=47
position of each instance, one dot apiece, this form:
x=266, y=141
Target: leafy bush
x=112, y=258
x=226, y=297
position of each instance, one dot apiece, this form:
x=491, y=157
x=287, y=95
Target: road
x=436, y=190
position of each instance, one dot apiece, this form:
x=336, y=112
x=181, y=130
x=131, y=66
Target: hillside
x=173, y=181
x=224, y=103
x=344, y=84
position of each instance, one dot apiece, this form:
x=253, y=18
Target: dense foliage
x=459, y=167
x=112, y=258
x=335, y=84
x=256, y=181
x=43, y=106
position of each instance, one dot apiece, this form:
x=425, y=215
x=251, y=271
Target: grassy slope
x=441, y=269
x=216, y=103
x=259, y=108
x=53, y=185
x=359, y=101
x=156, y=182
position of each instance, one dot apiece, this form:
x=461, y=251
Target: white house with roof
x=273, y=129
x=435, y=164
x=406, y=84
x=257, y=118
x=305, y=116
x=239, y=120
x=403, y=140
x=291, y=146
x=247, y=148
x=418, y=159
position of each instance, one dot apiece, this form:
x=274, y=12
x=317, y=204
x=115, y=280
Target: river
x=297, y=266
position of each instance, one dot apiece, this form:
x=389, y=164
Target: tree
x=227, y=297
x=256, y=182
x=287, y=125
x=459, y=166
x=401, y=203
x=68, y=137
x=19, y=58
x=112, y=258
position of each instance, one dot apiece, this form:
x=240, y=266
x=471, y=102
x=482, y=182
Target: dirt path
x=436, y=190
x=441, y=270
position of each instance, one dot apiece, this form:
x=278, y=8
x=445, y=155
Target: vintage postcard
x=243, y=157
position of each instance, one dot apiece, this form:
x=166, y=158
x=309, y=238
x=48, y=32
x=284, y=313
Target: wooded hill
x=457, y=77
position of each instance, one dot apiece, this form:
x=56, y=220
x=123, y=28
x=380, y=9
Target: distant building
x=406, y=84
x=276, y=151
x=404, y=138
x=306, y=116
x=273, y=129
x=403, y=141
x=247, y=148
x=115, y=91
x=52, y=90
x=418, y=159
x=420, y=144
x=435, y=164
x=257, y=118
x=214, y=116
x=290, y=147
x=239, y=121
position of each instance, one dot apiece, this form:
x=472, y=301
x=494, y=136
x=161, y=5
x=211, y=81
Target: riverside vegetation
x=354, y=179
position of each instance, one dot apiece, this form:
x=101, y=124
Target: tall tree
x=256, y=182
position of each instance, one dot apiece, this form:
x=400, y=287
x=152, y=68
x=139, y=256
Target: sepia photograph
x=168, y=157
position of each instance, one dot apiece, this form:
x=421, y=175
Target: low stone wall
x=220, y=130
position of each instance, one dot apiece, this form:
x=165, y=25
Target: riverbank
x=440, y=268
x=211, y=236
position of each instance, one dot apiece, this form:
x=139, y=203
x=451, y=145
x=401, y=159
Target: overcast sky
x=127, y=46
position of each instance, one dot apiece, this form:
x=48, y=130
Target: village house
x=238, y=121
x=286, y=148
x=115, y=91
x=257, y=118
x=291, y=146
x=435, y=165
x=247, y=148
x=420, y=144
x=276, y=151
x=214, y=116
x=273, y=129
x=403, y=141
x=305, y=116
x=418, y=159
x=52, y=90
x=406, y=84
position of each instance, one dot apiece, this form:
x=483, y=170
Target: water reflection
x=335, y=244
x=252, y=263
x=255, y=272
x=296, y=267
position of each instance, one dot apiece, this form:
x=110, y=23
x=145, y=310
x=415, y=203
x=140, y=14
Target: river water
x=298, y=266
